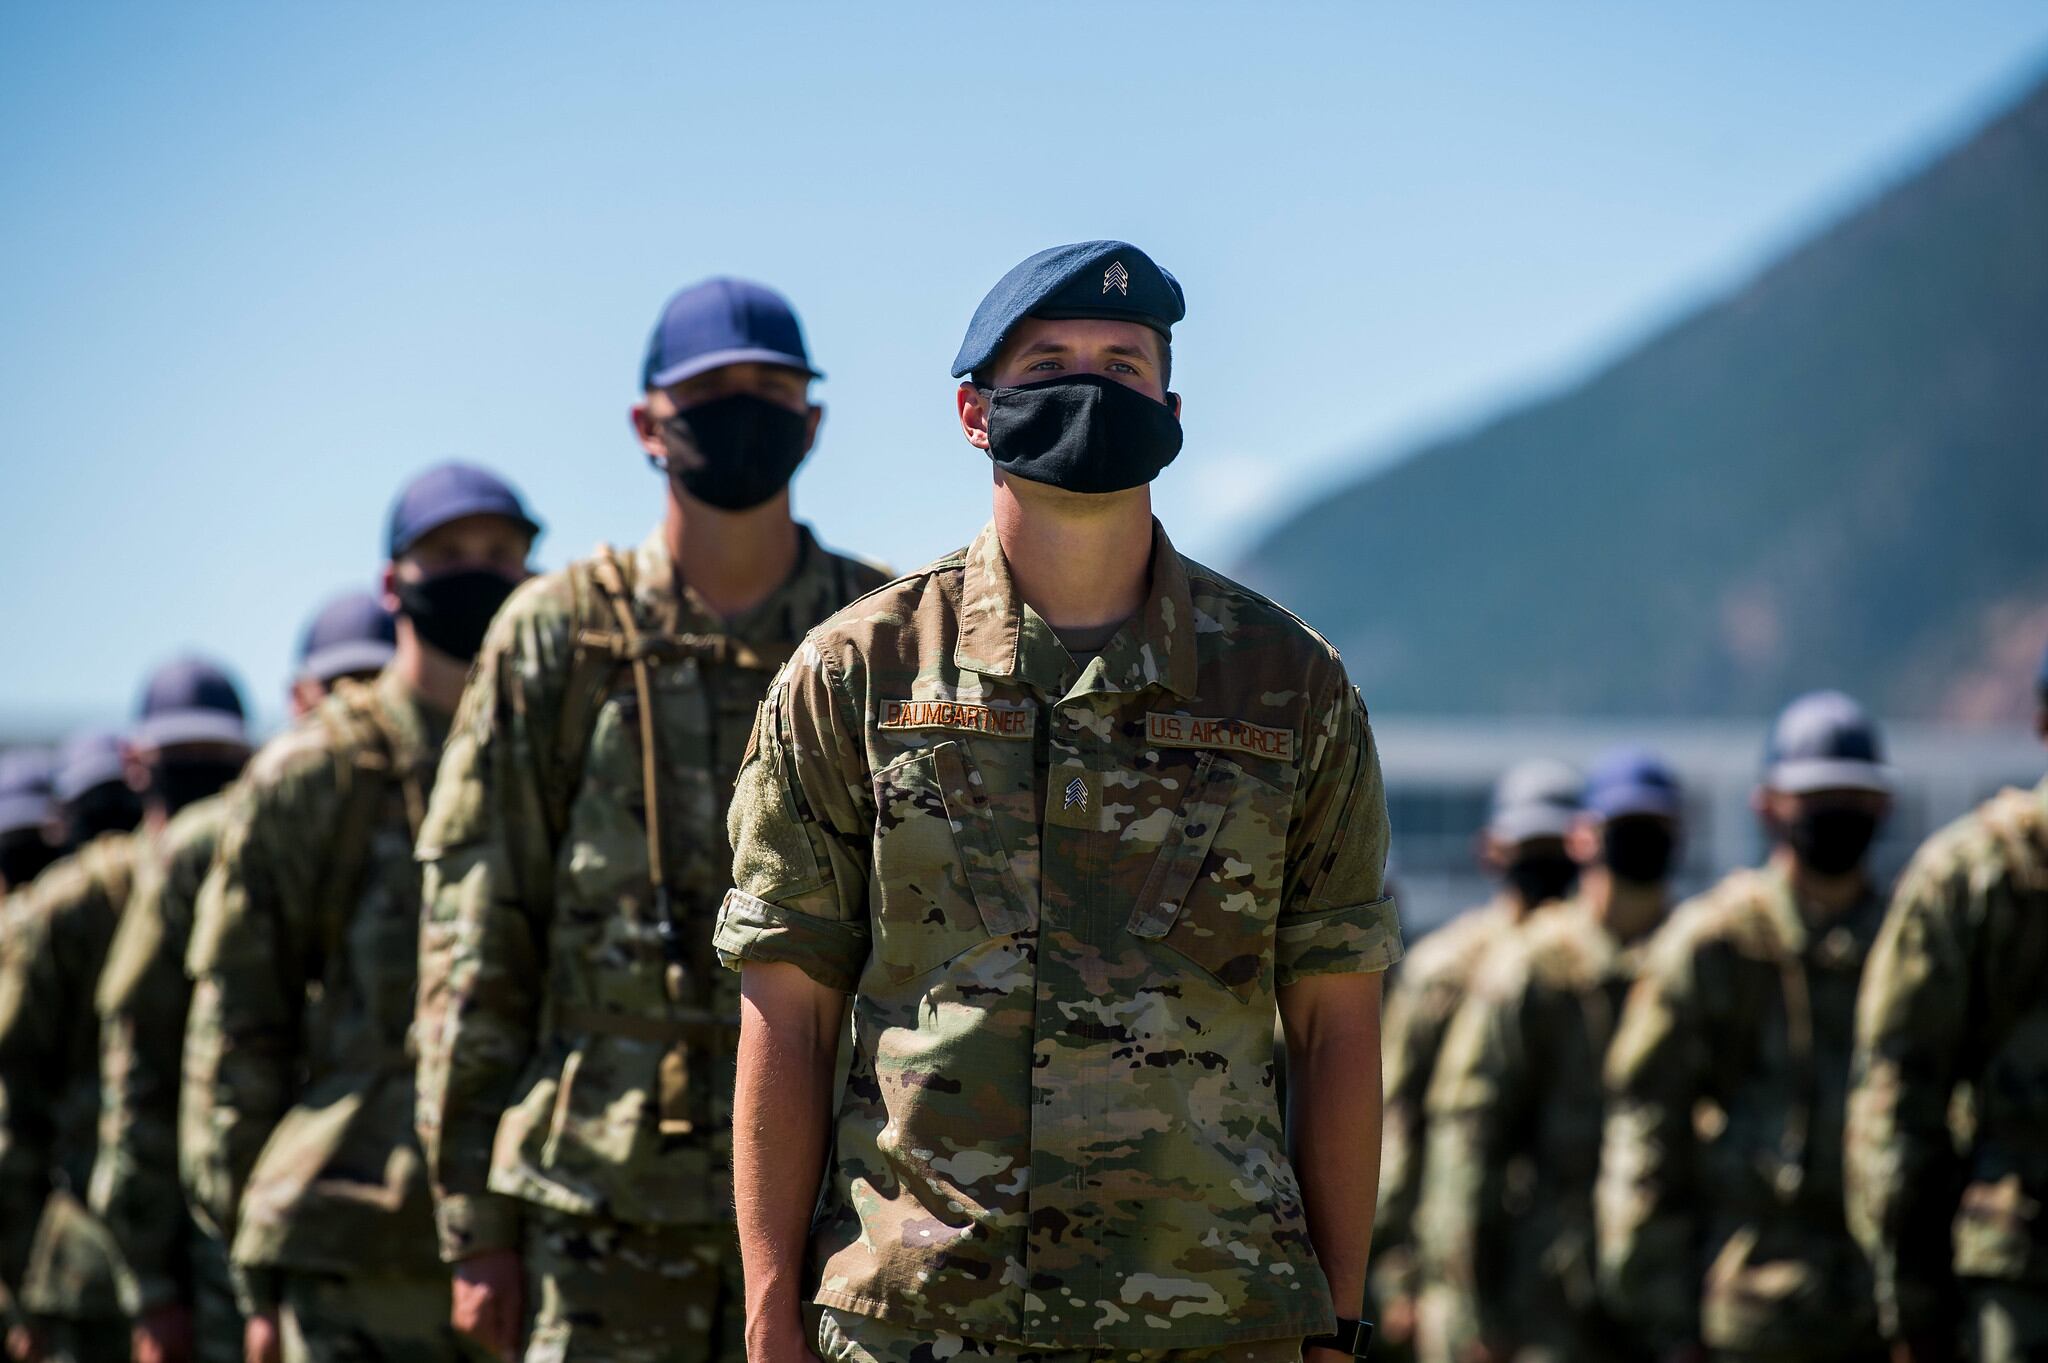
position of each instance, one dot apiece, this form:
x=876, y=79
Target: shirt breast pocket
x=1213, y=893
x=943, y=882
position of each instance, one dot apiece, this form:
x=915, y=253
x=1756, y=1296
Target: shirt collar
x=805, y=597
x=1001, y=636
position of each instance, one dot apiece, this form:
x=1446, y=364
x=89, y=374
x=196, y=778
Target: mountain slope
x=1838, y=475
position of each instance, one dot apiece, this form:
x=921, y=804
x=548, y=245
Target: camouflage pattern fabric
x=1955, y=1006
x=1720, y=1195
x=1424, y=997
x=844, y=1337
x=1506, y=1219
x=296, y=1124
x=59, y=931
x=141, y=1001
x=599, y=1277
x=368, y=1318
x=566, y=1062
x=1063, y=899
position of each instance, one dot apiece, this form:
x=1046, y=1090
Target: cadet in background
x=1720, y=1194
x=576, y=1036
x=1523, y=844
x=1953, y=1019
x=173, y=1283
x=1506, y=1221
x=297, y=1105
x=190, y=741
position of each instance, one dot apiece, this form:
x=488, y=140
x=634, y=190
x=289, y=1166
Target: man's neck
x=1080, y=562
x=1626, y=909
x=731, y=561
x=428, y=673
x=1820, y=896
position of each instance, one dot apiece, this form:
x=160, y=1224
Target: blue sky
x=263, y=262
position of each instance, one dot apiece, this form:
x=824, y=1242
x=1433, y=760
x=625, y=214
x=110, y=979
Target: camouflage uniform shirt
x=59, y=931
x=142, y=997
x=1506, y=1223
x=1720, y=1194
x=297, y=1137
x=1063, y=899
x=1956, y=998
x=1425, y=996
x=566, y=1060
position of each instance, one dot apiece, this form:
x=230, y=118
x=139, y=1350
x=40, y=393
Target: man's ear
x=813, y=418
x=973, y=414
x=645, y=431
x=387, y=587
x=1173, y=401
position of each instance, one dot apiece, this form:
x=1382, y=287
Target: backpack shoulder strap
x=596, y=651
x=365, y=767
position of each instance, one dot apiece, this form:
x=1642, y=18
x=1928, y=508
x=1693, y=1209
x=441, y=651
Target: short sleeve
x=1335, y=917
x=801, y=825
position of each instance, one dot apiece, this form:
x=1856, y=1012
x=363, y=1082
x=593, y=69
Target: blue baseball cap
x=1536, y=799
x=1632, y=781
x=93, y=758
x=1108, y=279
x=191, y=700
x=719, y=322
x=448, y=492
x=351, y=633
x=27, y=797
x=1825, y=740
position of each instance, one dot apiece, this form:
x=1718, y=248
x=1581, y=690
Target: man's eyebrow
x=1118, y=348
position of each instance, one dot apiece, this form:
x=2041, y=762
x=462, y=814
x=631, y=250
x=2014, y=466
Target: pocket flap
x=1166, y=886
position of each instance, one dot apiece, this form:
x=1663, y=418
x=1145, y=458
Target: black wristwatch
x=1353, y=1337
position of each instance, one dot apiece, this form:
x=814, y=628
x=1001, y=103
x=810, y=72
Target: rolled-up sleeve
x=801, y=823
x=1336, y=917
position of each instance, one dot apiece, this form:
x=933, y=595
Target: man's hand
x=1325, y=1356
x=490, y=1301
x=162, y=1334
x=23, y=1346
x=1397, y=1319
x=782, y=1343
x=261, y=1342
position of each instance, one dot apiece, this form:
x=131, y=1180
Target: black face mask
x=180, y=781
x=109, y=807
x=453, y=611
x=1638, y=850
x=1083, y=433
x=1831, y=841
x=1539, y=877
x=747, y=450
x=24, y=852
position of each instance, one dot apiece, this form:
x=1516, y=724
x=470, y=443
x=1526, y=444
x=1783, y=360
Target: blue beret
x=449, y=492
x=191, y=700
x=352, y=633
x=1825, y=740
x=1632, y=781
x=1111, y=279
x=721, y=322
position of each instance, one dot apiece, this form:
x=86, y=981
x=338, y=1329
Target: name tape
x=996, y=721
x=1232, y=735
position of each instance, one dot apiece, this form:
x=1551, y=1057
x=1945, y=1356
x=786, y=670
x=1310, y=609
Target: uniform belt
x=679, y=1026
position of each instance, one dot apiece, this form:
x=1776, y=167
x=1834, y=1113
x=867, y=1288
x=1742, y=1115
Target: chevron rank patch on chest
x=1227, y=735
x=997, y=721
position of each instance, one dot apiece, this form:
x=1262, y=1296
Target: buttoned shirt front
x=1063, y=898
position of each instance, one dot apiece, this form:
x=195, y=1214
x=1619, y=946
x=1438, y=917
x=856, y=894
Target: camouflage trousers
x=604, y=1291
x=844, y=1337
x=370, y=1319
x=2006, y=1322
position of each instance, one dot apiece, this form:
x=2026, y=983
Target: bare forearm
x=1334, y=1111
x=781, y=1128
